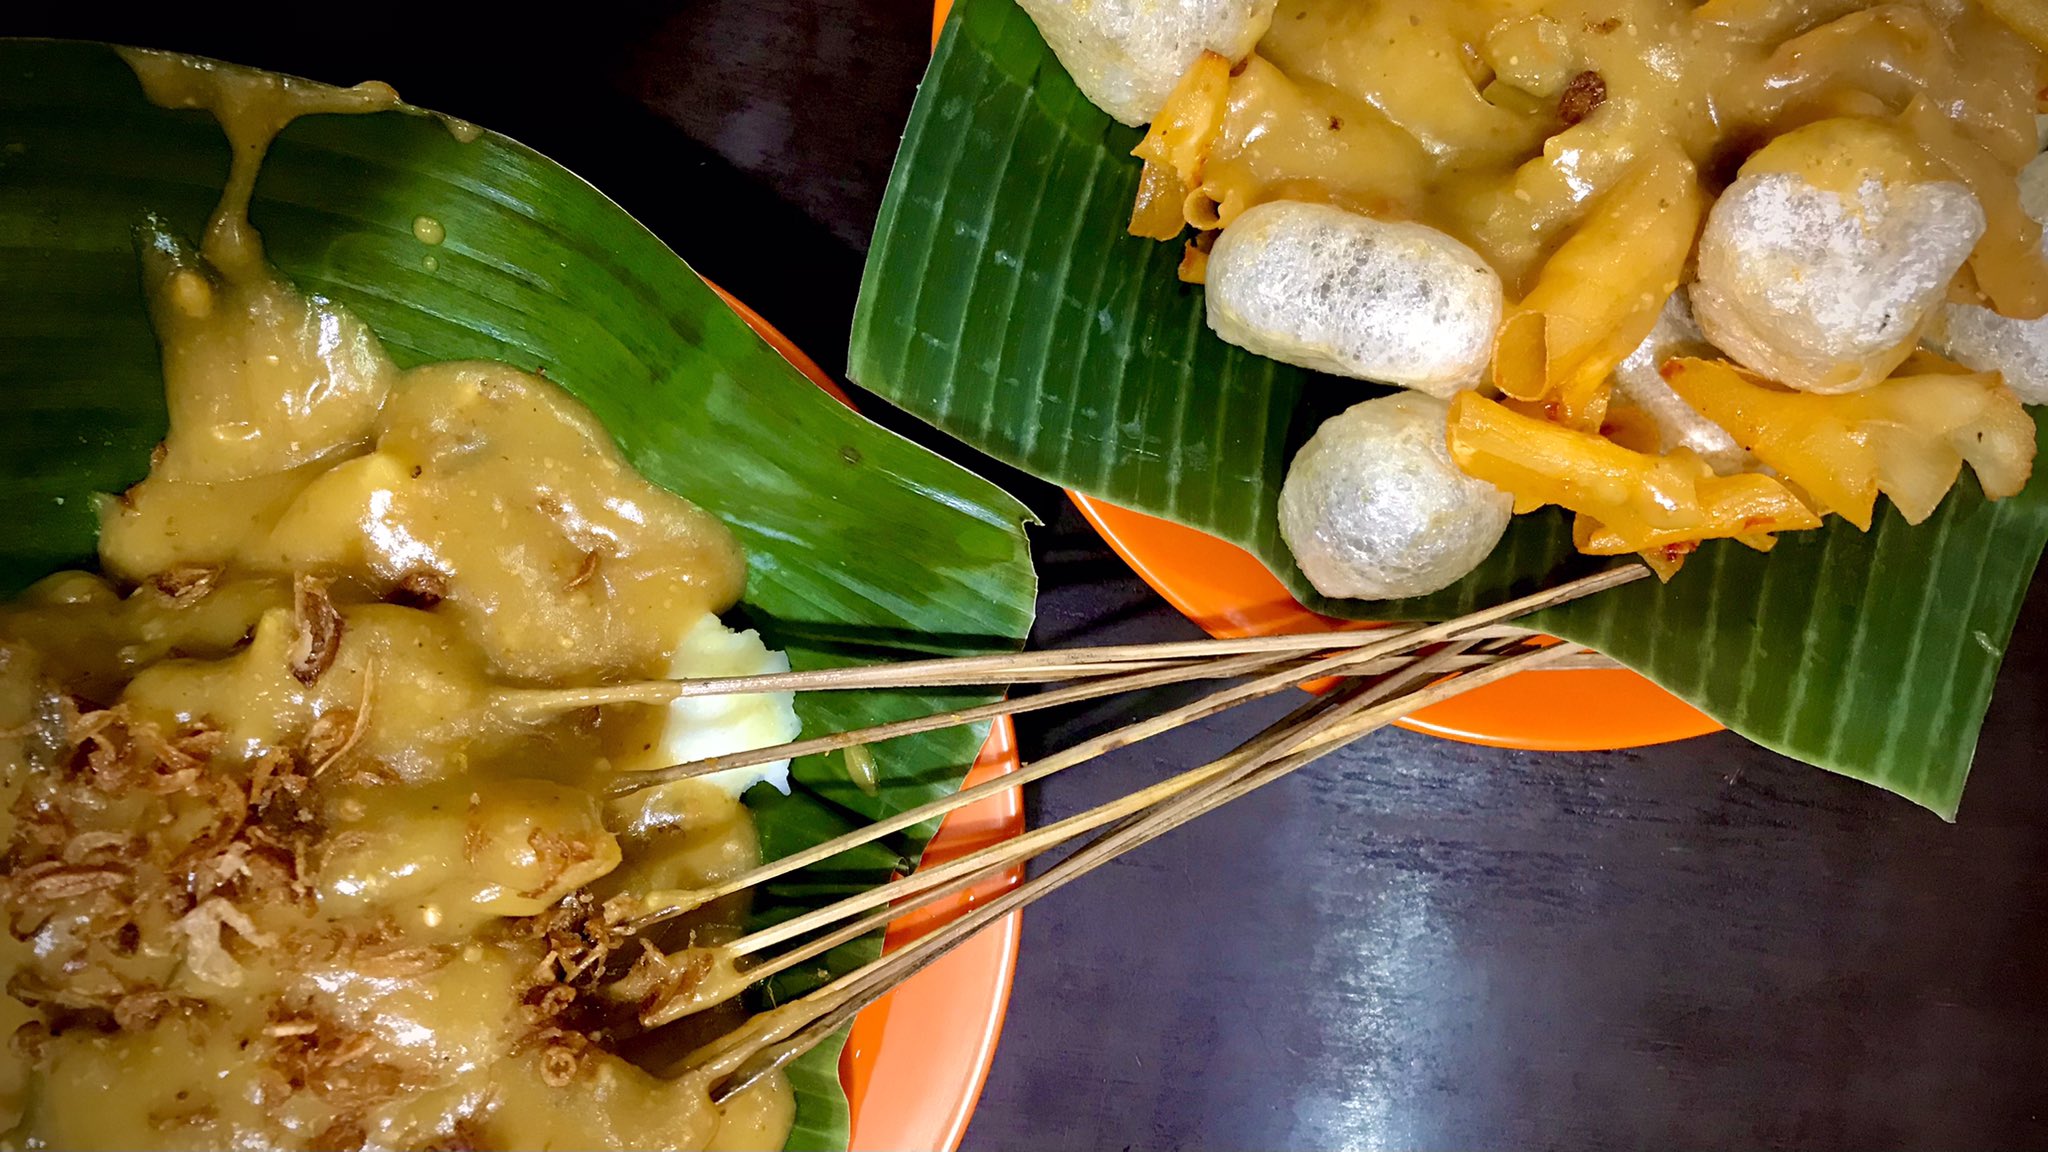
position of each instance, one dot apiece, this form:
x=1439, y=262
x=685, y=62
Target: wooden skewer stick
x=1029, y=844
x=664, y=905
x=1340, y=722
x=630, y=782
x=673, y=1008
x=1246, y=756
x=781, y=1035
x=1356, y=653
x=1021, y=847
x=539, y=701
x=719, y=1057
x=964, y=671
x=917, y=888
x=640, y=781
x=1190, y=795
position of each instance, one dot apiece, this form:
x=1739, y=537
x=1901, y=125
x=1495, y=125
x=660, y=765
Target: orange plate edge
x=916, y=1059
x=1226, y=591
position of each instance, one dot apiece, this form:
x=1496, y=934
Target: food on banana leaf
x=295, y=862
x=1543, y=203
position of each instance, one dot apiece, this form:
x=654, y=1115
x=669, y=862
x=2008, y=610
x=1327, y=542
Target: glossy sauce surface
x=1503, y=121
x=282, y=871
x=1582, y=150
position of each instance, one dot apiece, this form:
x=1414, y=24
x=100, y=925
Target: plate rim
x=917, y=1086
x=1226, y=591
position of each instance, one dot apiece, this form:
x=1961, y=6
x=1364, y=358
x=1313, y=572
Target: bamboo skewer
x=1358, y=648
x=636, y=782
x=821, y=1009
x=659, y=906
x=1030, y=843
x=673, y=1008
x=1057, y=664
x=1235, y=763
x=916, y=890
x=664, y=905
x=632, y=782
x=1385, y=674
x=1017, y=850
x=540, y=701
x=964, y=671
x=953, y=876
x=1335, y=722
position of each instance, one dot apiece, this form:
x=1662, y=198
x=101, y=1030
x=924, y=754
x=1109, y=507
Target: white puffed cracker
x=1323, y=288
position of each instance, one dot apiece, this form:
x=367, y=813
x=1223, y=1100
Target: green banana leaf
x=1004, y=302
x=860, y=545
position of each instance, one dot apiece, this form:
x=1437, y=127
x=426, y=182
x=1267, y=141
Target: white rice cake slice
x=700, y=727
x=1323, y=288
x=1126, y=55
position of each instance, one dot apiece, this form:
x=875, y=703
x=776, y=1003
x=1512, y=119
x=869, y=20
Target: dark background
x=1414, y=943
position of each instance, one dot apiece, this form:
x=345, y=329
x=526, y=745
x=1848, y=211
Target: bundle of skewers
x=1360, y=681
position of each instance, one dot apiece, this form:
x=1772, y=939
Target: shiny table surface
x=1412, y=944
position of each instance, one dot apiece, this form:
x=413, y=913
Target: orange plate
x=1228, y=592
x=916, y=1059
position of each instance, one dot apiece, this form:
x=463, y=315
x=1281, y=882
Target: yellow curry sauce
x=1576, y=146
x=281, y=873
x=1503, y=122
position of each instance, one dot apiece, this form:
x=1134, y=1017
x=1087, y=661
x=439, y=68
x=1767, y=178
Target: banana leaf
x=1004, y=302
x=860, y=545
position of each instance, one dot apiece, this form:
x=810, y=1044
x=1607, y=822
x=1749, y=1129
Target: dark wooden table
x=1414, y=943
